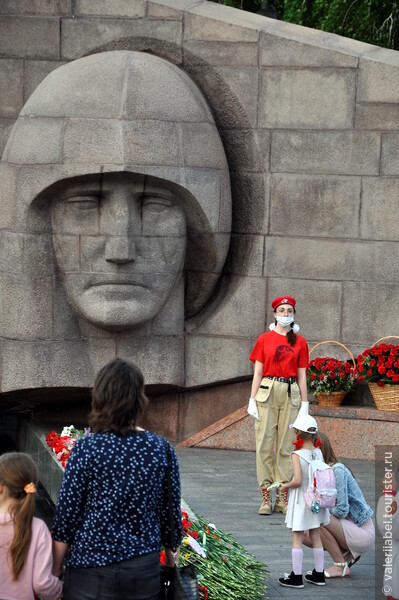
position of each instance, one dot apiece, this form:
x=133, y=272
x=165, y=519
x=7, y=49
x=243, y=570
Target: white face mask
x=285, y=321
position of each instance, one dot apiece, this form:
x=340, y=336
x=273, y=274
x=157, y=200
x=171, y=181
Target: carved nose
x=120, y=250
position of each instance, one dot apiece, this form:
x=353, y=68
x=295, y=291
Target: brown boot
x=281, y=502
x=266, y=506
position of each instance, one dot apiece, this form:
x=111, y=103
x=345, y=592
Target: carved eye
x=156, y=205
x=87, y=202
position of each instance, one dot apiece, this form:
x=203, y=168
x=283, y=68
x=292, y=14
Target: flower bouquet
x=62, y=444
x=330, y=379
x=379, y=367
x=224, y=568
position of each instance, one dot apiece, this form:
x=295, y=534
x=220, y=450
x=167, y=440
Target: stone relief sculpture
x=115, y=236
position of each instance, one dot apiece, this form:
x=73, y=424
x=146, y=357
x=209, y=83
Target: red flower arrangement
x=62, y=444
x=379, y=364
x=326, y=374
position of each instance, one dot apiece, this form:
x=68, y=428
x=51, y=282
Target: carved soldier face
x=120, y=246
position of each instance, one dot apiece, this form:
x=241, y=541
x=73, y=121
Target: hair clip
x=30, y=488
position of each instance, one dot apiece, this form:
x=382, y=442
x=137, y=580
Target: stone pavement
x=221, y=486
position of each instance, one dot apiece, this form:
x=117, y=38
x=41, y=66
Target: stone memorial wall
x=171, y=166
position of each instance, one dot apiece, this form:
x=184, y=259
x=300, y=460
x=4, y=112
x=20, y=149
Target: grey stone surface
x=34, y=73
x=6, y=126
x=379, y=208
x=119, y=239
x=232, y=94
x=27, y=303
x=116, y=8
x=313, y=211
x=203, y=358
x=208, y=22
x=247, y=149
x=29, y=37
x=340, y=153
x=389, y=154
x=317, y=98
x=379, y=78
x=81, y=36
x=318, y=306
x=169, y=353
x=157, y=9
x=341, y=260
x=89, y=140
x=378, y=116
x=250, y=202
x=246, y=255
x=377, y=298
x=11, y=87
x=243, y=291
x=230, y=54
x=276, y=51
x=322, y=206
x=36, y=141
x=53, y=8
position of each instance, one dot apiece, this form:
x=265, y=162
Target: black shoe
x=315, y=577
x=291, y=580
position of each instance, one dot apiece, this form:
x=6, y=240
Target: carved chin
x=120, y=309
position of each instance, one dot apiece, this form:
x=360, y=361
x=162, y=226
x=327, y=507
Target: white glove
x=252, y=408
x=304, y=410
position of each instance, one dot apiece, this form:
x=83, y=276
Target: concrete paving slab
x=221, y=486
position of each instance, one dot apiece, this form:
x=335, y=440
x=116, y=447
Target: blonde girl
x=25, y=542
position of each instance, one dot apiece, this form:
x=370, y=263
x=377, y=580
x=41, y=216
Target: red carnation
x=380, y=383
x=321, y=377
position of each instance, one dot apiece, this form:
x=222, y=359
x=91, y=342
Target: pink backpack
x=322, y=491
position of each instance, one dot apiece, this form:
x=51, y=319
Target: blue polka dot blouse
x=113, y=503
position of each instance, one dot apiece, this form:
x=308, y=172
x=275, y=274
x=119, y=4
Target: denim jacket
x=350, y=500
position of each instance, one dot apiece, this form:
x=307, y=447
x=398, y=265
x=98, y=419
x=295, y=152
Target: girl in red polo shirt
x=278, y=387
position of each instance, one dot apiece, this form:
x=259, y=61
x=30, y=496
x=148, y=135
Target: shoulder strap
x=299, y=453
x=170, y=501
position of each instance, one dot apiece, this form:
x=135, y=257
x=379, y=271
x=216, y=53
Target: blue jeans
x=134, y=579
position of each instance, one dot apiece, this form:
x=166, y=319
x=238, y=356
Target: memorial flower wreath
x=225, y=570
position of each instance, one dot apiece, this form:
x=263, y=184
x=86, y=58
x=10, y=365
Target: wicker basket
x=386, y=397
x=331, y=398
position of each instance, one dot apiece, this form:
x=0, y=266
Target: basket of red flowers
x=379, y=367
x=330, y=379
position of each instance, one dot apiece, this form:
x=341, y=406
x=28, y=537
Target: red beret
x=283, y=300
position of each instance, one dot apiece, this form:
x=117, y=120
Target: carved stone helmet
x=131, y=112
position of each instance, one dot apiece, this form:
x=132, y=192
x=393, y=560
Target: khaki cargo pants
x=276, y=412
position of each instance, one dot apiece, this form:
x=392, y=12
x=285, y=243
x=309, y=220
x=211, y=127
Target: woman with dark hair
x=350, y=532
x=278, y=386
x=112, y=514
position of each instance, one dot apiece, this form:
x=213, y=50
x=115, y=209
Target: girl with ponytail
x=25, y=542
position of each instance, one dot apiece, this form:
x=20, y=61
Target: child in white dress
x=299, y=517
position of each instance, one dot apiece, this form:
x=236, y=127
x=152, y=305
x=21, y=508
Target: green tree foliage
x=372, y=21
